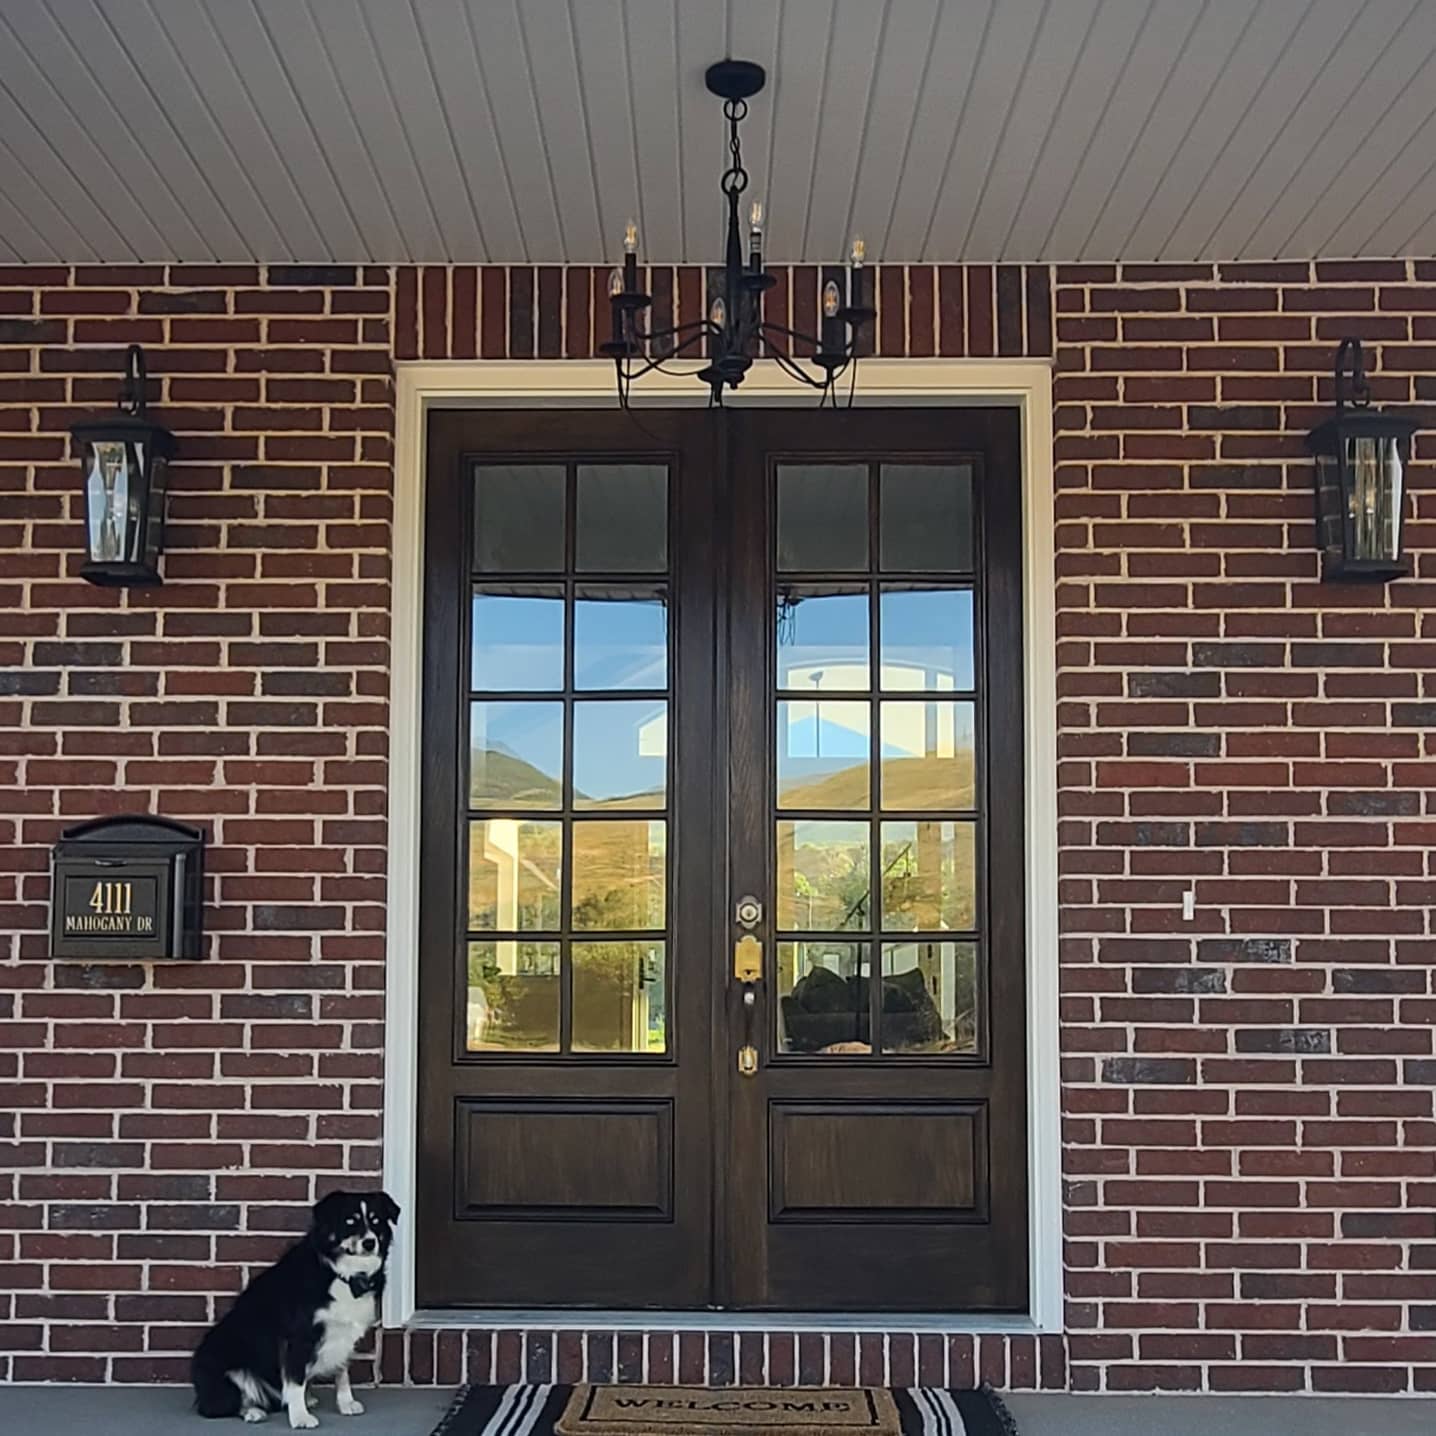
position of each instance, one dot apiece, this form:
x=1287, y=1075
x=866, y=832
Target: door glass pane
x=620, y=754
x=619, y=875
x=517, y=641
x=928, y=760
x=929, y=997
x=513, y=997
x=516, y=755
x=925, y=512
x=618, y=997
x=514, y=867
x=622, y=518
x=926, y=636
x=823, y=517
x=823, y=876
x=620, y=639
x=823, y=639
x=929, y=876
x=519, y=518
x=823, y=754
x=823, y=997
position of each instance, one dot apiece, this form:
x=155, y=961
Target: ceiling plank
x=450, y=46
x=1061, y=45
x=940, y=102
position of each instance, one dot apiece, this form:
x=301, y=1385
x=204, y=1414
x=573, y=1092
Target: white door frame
x=1025, y=385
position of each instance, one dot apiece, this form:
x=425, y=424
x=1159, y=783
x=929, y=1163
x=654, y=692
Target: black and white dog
x=300, y=1320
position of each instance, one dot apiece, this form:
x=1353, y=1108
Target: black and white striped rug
x=555, y=1410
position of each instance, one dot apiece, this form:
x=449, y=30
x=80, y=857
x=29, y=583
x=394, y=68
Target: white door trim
x=581, y=383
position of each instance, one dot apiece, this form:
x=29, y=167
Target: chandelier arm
x=790, y=367
x=694, y=329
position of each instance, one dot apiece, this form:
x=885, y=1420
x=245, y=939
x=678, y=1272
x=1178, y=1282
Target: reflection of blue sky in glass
x=516, y=754
x=926, y=637
x=823, y=641
x=517, y=643
x=620, y=643
x=620, y=750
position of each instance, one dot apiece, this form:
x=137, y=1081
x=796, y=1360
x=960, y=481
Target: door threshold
x=575, y=1319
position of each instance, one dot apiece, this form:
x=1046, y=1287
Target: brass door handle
x=748, y=970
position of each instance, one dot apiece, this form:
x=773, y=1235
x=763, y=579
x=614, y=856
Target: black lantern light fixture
x=1361, y=461
x=729, y=335
x=125, y=463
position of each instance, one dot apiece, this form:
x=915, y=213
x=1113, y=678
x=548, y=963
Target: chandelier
x=729, y=335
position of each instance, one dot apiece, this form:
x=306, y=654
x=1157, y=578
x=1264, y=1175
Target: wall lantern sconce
x=125, y=463
x=1361, y=461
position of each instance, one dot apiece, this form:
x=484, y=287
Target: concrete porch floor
x=395, y=1411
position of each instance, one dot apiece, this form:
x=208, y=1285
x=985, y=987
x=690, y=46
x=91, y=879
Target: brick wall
x=161, y=1126
x=1250, y=1145
x=1250, y=1150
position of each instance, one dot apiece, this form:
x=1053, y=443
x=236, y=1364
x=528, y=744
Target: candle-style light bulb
x=718, y=312
x=755, y=218
x=615, y=282
x=832, y=300
x=630, y=258
x=755, y=237
x=855, y=273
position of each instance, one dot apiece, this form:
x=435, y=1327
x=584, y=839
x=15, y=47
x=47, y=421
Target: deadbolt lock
x=748, y=912
x=748, y=959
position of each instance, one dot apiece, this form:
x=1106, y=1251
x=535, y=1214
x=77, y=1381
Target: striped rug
x=556, y=1410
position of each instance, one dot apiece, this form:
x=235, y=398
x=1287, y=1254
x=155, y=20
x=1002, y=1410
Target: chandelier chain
x=735, y=177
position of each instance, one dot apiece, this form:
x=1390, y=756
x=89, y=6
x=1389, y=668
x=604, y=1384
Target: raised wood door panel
x=567, y=929
x=877, y=1157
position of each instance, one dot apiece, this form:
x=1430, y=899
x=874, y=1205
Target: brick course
x=1248, y=1126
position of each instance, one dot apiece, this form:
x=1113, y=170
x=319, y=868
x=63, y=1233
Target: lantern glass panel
x=155, y=525
x=1375, y=473
x=109, y=500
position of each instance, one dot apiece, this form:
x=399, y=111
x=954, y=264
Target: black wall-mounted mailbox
x=128, y=888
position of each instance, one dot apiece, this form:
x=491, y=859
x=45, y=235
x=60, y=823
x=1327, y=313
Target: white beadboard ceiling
x=527, y=130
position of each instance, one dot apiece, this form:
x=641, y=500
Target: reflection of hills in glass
x=501, y=779
x=928, y=783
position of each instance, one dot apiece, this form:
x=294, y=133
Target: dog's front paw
x=302, y=1420
x=253, y=1413
x=350, y=1406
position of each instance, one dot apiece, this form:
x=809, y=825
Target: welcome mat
x=626, y=1410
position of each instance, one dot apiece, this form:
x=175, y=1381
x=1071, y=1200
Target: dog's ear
x=327, y=1208
x=386, y=1206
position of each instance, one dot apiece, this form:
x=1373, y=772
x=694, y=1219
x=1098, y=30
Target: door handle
x=748, y=971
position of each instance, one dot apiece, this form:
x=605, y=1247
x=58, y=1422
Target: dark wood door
x=567, y=921
x=877, y=1155
x=672, y=662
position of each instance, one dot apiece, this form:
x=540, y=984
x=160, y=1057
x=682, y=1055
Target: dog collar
x=362, y=1283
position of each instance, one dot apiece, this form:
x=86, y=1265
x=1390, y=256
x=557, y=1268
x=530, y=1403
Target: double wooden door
x=721, y=968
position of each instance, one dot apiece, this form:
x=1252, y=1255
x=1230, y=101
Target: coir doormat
x=624, y=1410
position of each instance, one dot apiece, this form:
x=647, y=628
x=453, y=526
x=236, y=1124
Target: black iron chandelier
x=729, y=335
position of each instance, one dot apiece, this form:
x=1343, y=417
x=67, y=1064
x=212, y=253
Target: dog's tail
x=214, y=1393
